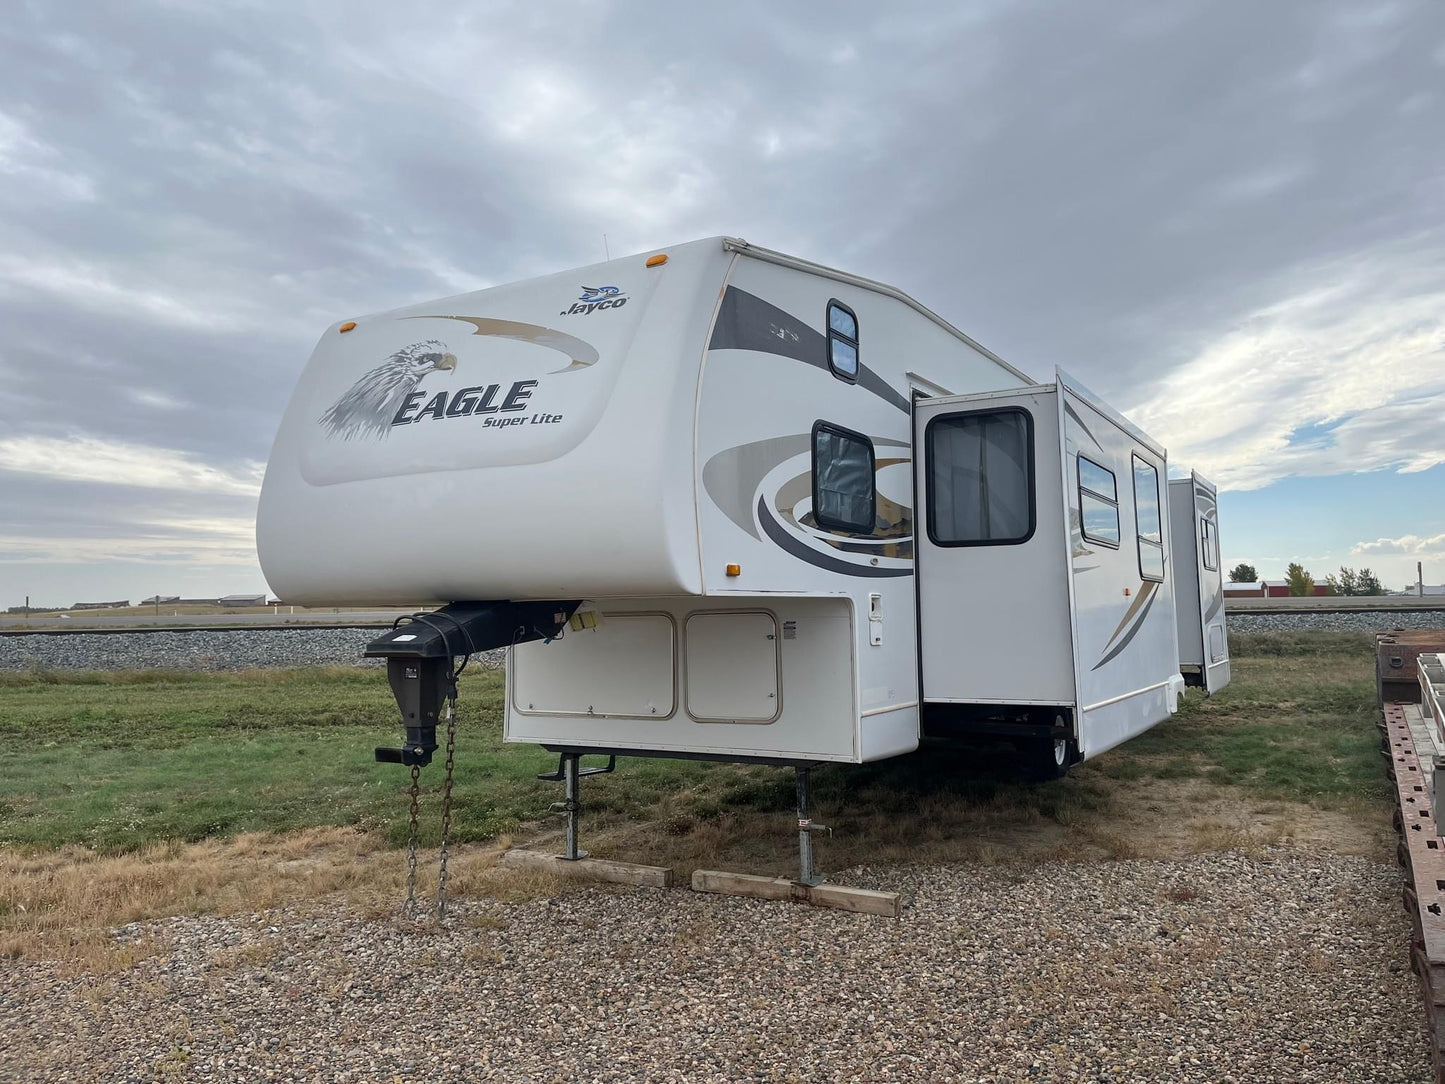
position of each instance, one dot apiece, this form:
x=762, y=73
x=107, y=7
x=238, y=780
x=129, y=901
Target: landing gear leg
x=806, y=828
x=570, y=774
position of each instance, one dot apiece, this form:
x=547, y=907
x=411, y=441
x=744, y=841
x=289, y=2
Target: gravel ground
x=264, y=648
x=1220, y=968
x=1365, y=621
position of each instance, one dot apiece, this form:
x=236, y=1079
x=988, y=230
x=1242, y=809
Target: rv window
x=1209, y=543
x=1146, y=519
x=843, y=482
x=842, y=341
x=981, y=478
x=1098, y=503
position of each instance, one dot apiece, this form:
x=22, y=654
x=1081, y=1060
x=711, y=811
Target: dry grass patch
x=63, y=904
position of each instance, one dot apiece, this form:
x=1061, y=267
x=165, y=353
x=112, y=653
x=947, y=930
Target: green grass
x=1296, y=722
x=118, y=761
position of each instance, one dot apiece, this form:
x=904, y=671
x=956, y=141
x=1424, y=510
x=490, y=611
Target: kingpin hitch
x=419, y=651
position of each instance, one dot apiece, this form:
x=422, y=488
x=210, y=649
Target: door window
x=981, y=478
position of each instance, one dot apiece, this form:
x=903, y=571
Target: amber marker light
x=657, y=261
x=733, y=570
x=344, y=328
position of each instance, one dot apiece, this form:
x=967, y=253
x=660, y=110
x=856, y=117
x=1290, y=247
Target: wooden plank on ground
x=863, y=901
x=591, y=869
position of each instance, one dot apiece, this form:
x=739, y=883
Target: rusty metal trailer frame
x=1422, y=856
x=1411, y=687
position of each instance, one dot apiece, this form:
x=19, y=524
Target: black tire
x=1047, y=758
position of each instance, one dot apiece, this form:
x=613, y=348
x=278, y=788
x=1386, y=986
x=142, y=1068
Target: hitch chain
x=447, y=802
x=409, y=909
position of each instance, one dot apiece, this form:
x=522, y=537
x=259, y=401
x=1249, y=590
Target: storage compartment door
x=625, y=667
x=731, y=667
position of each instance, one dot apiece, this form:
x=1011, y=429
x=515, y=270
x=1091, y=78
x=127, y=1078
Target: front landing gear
x=806, y=828
x=569, y=773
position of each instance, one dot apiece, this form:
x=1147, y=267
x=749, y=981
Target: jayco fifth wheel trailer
x=681, y=488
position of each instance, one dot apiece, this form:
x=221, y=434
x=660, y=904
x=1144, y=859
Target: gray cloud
x=190, y=193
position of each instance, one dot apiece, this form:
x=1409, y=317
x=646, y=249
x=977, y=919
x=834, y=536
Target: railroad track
x=294, y=626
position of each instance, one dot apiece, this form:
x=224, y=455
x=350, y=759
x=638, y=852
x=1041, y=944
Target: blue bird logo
x=598, y=293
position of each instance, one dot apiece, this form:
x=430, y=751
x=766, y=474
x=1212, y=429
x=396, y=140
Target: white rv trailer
x=813, y=520
x=1199, y=574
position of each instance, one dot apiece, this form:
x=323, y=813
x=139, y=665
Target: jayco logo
x=594, y=298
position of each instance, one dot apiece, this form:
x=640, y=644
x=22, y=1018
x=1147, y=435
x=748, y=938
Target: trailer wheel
x=1047, y=758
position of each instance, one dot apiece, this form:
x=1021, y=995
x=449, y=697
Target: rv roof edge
x=797, y=263
x=1083, y=392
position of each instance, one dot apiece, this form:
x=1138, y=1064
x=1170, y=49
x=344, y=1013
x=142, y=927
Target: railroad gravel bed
x=1290, y=966
x=1364, y=621
x=280, y=647
x=193, y=650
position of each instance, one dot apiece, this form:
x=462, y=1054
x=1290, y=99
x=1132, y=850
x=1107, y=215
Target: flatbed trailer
x=1413, y=743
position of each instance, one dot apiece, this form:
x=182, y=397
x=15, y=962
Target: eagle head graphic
x=366, y=409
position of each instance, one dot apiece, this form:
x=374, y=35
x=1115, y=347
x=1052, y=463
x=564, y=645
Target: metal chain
x=447, y=803
x=409, y=908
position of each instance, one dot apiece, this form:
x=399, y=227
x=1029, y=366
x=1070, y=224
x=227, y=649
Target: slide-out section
x=1199, y=582
x=992, y=577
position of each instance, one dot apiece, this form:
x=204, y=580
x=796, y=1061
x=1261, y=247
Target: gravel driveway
x=1219, y=968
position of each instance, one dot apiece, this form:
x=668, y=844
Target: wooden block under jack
x=591, y=869
x=863, y=901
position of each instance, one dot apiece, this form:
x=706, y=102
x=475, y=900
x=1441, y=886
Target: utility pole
x=1419, y=579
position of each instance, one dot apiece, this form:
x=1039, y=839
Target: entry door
x=993, y=607
x=1211, y=583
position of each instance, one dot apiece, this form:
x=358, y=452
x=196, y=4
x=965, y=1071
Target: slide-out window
x=844, y=488
x=1209, y=544
x=1098, y=503
x=1146, y=519
x=981, y=478
x=842, y=341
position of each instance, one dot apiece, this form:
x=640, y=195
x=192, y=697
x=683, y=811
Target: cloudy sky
x=1226, y=218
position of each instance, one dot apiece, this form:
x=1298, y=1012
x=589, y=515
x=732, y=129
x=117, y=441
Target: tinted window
x=1098, y=503
x=1146, y=519
x=842, y=340
x=981, y=478
x=1146, y=500
x=843, y=482
x=1096, y=479
x=1210, y=545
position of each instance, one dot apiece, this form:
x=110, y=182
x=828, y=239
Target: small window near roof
x=844, y=487
x=1098, y=503
x=1146, y=518
x=842, y=341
